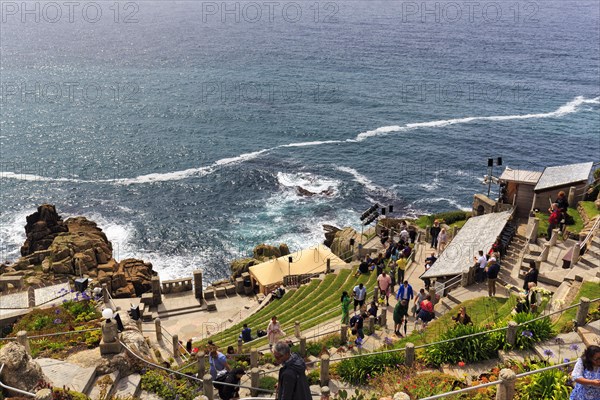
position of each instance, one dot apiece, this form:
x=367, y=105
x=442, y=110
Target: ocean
x=185, y=128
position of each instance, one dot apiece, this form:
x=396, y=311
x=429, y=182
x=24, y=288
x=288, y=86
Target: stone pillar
x=582, y=311
x=297, y=329
x=534, y=231
x=375, y=293
x=511, y=333
x=371, y=323
x=545, y=252
x=328, y=267
x=254, y=378
x=239, y=346
x=325, y=393
x=158, y=328
x=105, y=297
x=432, y=293
x=554, y=238
x=23, y=340
x=571, y=197
x=175, y=346
x=138, y=324
x=156, y=292
x=409, y=354
x=344, y=334
x=110, y=335
x=427, y=236
x=201, y=362
x=575, y=253
x=207, y=386
x=253, y=358
x=324, y=370
x=506, y=388
x=30, y=297
x=453, y=232
x=303, y=346
x=538, y=263
x=382, y=318
x=44, y=394
x=464, y=279
x=198, y=283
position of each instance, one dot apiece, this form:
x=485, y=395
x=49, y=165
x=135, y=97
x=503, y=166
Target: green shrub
x=470, y=349
x=166, y=387
x=314, y=377
x=267, y=384
x=359, y=370
x=527, y=335
x=343, y=395
x=92, y=338
x=548, y=385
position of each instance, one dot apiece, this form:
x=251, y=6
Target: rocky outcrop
x=41, y=229
x=330, y=232
x=239, y=266
x=76, y=247
x=261, y=253
x=340, y=245
x=19, y=371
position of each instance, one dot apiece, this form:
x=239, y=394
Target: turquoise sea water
x=184, y=128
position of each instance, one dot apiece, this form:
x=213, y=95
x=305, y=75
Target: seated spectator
x=462, y=317
x=246, y=334
x=373, y=309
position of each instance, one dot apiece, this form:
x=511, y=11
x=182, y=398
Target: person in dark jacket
x=492, y=270
x=233, y=377
x=292, y=383
x=531, y=275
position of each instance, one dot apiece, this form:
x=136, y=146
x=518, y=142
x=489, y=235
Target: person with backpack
x=233, y=377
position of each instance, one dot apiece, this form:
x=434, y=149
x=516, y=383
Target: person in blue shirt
x=218, y=363
x=405, y=292
x=246, y=334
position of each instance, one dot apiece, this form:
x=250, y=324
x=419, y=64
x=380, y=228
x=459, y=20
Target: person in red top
x=426, y=311
x=553, y=220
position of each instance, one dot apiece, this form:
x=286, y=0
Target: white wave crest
x=313, y=183
x=366, y=182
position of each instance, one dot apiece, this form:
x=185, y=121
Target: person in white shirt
x=360, y=293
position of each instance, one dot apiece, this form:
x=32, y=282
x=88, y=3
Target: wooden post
x=506, y=388
x=303, y=346
x=105, y=297
x=511, y=333
x=175, y=346
x=582, y=311
x=328, y=267
x=158, y=328
x=427, y=236
x=382, y=318
x=324, y=370
x=254, y=378
x=253, y=357
x=239, y=346
x=297, y=328
x=375, y=293
x=23, y=340
x=201, y=360
x=409, y=354
x=344, y=334
x=571, y=196
x=207, y=387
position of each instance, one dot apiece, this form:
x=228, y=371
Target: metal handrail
x=590, y=234
x=185, y=353
x=24, y=393
x=494, y=383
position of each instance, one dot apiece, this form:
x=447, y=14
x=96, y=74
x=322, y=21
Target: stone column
x=324, y=370
x=138, y=323
x=198, y=284
x=511, y=333
x=105, y=297
x=30, y=297
x=375, y=293
x=254, y=378
x=303, y=346
x=554, y=238
x=409, y=354
x=371, y=323
x=432, y=293
x=464, y=279
x=582, y=311
x=344, y=334
x=575, y=253
x=427, y=236
x=207, y=386
x=571, y=196
x=383, y=318
x=239, y=345
x=253, y=358
x=175, y=346
x=110, y=335
x=297, y=329
x=534, y=232
x=158, y=328
x=328, y=267
x=506, y=388
x=23, y=340
x=545, y=252
x=201, y=362
x=156, y=292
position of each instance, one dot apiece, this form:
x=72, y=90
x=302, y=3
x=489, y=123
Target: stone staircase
x=85, y=379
